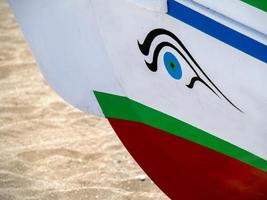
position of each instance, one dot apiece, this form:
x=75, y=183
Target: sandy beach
x=48, y=149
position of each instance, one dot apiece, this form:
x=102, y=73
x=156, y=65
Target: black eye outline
x=153, y=66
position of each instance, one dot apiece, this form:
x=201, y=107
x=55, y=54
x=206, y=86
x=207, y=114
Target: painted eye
x=172, y=65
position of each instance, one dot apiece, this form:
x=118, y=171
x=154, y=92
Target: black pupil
x=172, y=65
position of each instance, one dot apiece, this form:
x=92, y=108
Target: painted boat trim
x=260, y=4
x=127, y=109
x=218, y=30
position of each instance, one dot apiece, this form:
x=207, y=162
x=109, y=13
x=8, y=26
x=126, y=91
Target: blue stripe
x=217, y=30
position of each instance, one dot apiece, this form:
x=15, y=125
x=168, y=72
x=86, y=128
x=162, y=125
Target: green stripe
x=124, y=108
x=260, y=4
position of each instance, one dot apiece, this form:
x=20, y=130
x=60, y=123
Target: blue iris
x=172, y=65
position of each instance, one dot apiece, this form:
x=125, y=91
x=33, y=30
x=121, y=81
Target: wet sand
x=49, y=150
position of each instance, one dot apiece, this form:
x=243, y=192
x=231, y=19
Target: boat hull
x=185, y=170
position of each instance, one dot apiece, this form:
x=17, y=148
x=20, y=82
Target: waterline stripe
x=119, y=107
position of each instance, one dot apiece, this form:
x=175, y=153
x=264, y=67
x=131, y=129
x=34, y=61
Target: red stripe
x=185, y=170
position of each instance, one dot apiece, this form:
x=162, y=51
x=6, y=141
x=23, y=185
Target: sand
x=48, y=149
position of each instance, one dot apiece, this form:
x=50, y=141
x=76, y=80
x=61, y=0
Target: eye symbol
x=172, y=65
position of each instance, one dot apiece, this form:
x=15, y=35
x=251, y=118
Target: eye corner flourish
x=143, y=48
x=151, y=66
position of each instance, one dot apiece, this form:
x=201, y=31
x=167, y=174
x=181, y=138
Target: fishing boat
x=182, y=82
